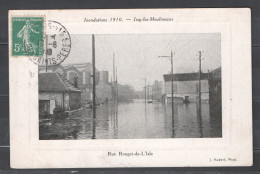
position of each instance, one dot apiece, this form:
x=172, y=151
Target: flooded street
x=135, y=120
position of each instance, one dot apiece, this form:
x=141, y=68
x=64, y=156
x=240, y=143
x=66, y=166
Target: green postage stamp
x=27, y=36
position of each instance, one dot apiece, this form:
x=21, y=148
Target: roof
x=80, y=66
x=54, y=82
x=52, y=68
x=217, y=70
x=184, y=77
x=69, y=67
x=216, y=74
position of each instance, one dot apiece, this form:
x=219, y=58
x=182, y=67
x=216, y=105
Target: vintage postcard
x=130, y=88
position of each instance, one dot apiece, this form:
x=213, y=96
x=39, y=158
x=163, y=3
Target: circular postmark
x=57, y=46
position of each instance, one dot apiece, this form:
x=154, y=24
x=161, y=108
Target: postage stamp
x=27, y=36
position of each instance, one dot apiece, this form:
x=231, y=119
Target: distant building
x=55, y=91
x=157, y=90
x=186, y=86
x=139, y=95
x=103, y=77
x=149, y=92
x=104, y=89
x=83, y=72
x=125, y=93
x=103, y=92
x=74, y=76
x=55, y=68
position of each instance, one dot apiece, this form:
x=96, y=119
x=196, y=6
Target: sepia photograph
x=117, y=88
x=131, y=86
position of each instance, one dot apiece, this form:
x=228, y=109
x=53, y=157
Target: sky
x=136, y=55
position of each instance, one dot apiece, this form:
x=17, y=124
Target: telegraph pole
x=116, y=87
x=94, y=77
x=171, y=60
x=114, y=79
x=148, y=92
x=199, y=83
x=113, y=67
x=172, y=82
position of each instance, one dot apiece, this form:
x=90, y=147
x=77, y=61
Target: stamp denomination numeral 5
x=16, y=47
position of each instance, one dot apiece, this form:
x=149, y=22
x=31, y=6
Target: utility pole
x=148, y=92
x=145, y=90
x=113, y=67
x=199, y=83
x=172, y=83
x=116, y=87
x=114, y=79
x=171, y=60
x=94, y=77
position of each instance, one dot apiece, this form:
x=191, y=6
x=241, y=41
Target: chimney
x=76, y=80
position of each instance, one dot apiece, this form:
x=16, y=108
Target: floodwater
x=136, y=120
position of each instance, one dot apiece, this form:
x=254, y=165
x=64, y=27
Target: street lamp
x=171, y=60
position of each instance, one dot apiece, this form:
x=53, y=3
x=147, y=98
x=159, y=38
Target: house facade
x=55, y=91
x=186, y=87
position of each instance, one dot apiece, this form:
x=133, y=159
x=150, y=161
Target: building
x=83, y=72
x=54, y=68
x=103, y=77
x=125, y=93
x=103, y=92
x=157, y=90
x=55, y=91
x=104, y=89
x=186, y=87
x=74, y=76
x=149, y=92
x=215, y=94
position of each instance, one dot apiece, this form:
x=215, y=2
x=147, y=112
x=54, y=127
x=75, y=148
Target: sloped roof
x=216, y=74
x=54, y=82
x=52, y=68
x=69, y=67
x=185, y=77
x=80, y=66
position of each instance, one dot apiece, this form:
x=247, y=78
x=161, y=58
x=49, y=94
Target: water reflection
x=137, y=120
